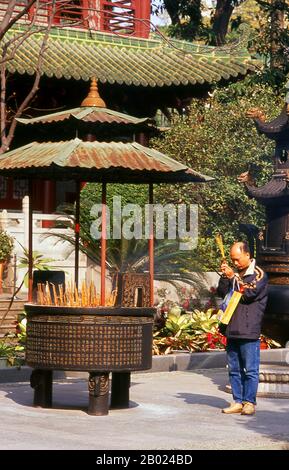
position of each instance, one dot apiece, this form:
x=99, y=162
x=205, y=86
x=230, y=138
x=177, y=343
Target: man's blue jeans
x=243, y=357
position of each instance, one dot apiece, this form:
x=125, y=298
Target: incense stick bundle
x=84, y=300
x=219, y=240
x=76, y=296
x=70, y=296
x=40, y=297
x=48, y=295
x=61, y=295
x=55, y=295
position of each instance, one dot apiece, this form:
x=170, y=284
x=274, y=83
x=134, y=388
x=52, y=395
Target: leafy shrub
x=6, y=246
x=194, y=332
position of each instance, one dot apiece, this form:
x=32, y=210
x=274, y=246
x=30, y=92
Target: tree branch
x=8, y=21
x=7, y=138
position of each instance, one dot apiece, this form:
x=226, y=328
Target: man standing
x=244, y=328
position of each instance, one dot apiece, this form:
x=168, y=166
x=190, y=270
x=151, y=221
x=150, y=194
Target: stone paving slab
x=168, y=411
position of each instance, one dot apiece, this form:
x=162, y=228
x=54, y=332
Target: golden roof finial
x=93, y=98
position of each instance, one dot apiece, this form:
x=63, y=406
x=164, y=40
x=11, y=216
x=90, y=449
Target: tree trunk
x=277, y=26
x=223, y=13
x=172, y=7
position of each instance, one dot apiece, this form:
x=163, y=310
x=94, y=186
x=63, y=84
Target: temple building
x=139, y=72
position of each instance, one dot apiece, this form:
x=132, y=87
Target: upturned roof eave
x=129, y=61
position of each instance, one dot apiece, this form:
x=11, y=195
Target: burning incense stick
x=71, y=297
x=219, y=240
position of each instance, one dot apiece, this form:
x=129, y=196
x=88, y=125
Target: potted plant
x=6, y=248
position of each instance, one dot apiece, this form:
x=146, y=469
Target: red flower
x=186, y=304
x=223, y=340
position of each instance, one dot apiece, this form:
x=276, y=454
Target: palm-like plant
x=38, y=262
x=122, y=255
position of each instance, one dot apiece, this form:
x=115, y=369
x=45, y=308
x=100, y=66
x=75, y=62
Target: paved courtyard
x=169, y=410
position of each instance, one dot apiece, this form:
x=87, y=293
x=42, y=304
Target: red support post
x=77, y=233
x=151, y=245
x=103, y=246
x=30, y=242
x=142, y=18
x=48, y=201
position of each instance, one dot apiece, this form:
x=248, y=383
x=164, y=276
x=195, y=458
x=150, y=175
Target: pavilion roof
x=90, y=114
x=123, y=60
x=96, y=161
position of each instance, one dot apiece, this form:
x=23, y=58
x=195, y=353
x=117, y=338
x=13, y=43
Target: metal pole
x=151, y=245
x=76, y=233
x=103, y=246
x=30, y=242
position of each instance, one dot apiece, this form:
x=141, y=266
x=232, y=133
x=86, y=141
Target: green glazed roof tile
x=122, y=60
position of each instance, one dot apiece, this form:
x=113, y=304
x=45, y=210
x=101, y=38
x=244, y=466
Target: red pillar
x=48, y=201
x=30, y=242
x=77, y=233
x=103, y=246
x=143, y=139
x=151, y=245
x=142, y=12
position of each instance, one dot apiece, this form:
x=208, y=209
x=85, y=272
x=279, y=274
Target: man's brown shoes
x=233, y=408
x=248, y=408
x=245, y=408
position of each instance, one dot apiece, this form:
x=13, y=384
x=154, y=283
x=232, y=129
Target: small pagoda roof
x=113, y=162
x=89, y=114
x=122, y=60
x=278, y=129
x=271, y=192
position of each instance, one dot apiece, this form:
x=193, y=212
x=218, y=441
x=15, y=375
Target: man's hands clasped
x=226, y=270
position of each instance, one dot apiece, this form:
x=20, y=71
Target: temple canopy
x=111, y=162
x=90, y=114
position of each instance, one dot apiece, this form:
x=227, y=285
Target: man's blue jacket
x=247, y=319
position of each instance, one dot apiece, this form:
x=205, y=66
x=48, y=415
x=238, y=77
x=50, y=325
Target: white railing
x=17, y=224
x=61, y=252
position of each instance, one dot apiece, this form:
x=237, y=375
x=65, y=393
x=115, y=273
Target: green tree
x=218, y=140
x=185, y=16
x=273, y=40
x=187, y=21
x=221, y=19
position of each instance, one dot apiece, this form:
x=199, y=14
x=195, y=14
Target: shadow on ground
x=272, y=415
x=69, y=395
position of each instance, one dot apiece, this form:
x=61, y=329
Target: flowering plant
x=216, y=340
x=268, y=343
x=193, y=331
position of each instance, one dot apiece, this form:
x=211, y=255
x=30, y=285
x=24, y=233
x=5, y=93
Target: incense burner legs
x=41, y=382
x=98, y=388
x=120, y=384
